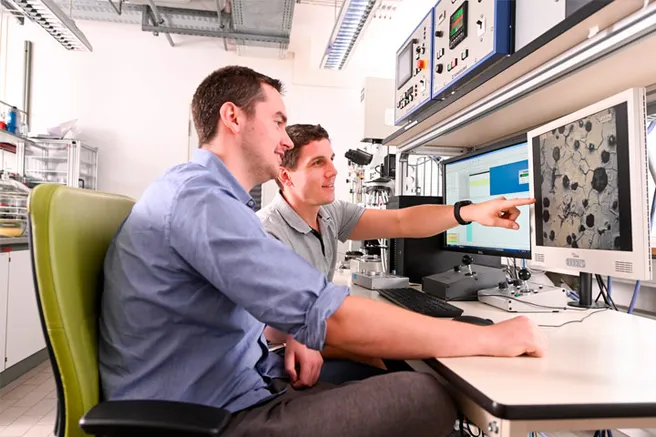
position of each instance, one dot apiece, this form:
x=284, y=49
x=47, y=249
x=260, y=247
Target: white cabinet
x=4, y=280
x=24, y=335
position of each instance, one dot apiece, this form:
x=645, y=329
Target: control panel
x=469, y=36
x=413, y=71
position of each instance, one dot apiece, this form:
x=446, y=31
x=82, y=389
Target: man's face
x=265, y=140
x=313, y=180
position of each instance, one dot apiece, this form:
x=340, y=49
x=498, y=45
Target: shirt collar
x=214, y=164
x=292, y=218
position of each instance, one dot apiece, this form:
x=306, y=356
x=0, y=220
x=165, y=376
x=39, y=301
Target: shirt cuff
x=313, y=333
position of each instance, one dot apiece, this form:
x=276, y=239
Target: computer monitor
x=590, y=183
x=498, y=170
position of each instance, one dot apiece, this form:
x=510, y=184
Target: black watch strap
x=456, y=211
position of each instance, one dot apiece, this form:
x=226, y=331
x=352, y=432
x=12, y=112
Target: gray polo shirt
x=336, y=222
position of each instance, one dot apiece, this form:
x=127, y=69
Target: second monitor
x=498, y=170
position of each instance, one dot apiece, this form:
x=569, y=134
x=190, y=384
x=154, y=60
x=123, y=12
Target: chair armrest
x=154, y=417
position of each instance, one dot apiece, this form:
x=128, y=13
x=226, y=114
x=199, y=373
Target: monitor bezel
x=506, y=253
x=597, y=261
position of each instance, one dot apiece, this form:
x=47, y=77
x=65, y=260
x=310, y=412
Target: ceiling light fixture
x=354, y=17
x=51, y=18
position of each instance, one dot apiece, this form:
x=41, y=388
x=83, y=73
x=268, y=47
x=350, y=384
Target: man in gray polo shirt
x=306, y=217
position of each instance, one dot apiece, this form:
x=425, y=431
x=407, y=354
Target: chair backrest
x=70, y=231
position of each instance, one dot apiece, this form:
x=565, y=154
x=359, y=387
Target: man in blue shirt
x=191, y=280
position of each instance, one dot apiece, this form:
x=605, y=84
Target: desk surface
x=603, y=366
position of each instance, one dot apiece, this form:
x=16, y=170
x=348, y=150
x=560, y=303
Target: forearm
x=428, y=220
x=377, y=329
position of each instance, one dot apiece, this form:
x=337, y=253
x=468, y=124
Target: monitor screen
x=483, y=175
x=404, y=66
x=585, y=201
x=589, y=180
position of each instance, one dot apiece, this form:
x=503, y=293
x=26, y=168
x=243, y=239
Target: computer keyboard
x=419, y=302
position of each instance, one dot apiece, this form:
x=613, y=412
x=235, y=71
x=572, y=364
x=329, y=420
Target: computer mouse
x=473, y=320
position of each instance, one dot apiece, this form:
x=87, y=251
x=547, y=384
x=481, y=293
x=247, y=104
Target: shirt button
x=251, y=203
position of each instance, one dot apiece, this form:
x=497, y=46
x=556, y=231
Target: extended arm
x=428, y=220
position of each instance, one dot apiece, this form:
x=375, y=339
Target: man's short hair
x=239, y=85
x=301, y=135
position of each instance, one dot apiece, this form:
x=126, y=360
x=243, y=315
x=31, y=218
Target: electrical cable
x=574, y=321
x=603, y=291
x=471, y=432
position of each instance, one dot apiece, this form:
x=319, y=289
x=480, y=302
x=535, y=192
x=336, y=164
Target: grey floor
x=27, y=405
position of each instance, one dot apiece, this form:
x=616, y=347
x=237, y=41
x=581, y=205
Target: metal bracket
x=159, y=21
x=119, y=9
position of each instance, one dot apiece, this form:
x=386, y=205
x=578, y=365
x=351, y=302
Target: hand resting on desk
x=518, y=336
x=372, y=328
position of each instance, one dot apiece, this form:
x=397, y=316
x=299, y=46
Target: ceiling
x=240, y=23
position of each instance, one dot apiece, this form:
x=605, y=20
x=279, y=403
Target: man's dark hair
x=301, y=135
x=239, y=85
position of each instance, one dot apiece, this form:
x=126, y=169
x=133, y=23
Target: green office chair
x=70, y=230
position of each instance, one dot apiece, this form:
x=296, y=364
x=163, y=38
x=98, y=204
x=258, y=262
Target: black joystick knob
x=467, y=260
x=503, y=285
x=517, y=282
x=524, y=274
x=456, y=268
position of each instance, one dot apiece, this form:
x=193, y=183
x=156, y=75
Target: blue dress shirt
x=191, y=279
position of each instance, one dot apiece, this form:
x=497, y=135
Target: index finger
x=518, y=202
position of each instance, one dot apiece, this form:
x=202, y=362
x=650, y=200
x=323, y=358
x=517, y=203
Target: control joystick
x=524, y=275
x=467, y=262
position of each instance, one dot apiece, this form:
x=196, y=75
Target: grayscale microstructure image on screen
x=579, y=184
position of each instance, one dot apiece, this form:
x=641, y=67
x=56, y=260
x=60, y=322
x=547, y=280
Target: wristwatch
x=456, y=211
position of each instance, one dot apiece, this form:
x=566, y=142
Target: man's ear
x=231, y=116
x=284, y=177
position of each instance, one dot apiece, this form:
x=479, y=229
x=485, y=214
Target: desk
x=598, y=374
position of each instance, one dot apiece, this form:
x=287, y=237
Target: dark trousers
x=394, y=404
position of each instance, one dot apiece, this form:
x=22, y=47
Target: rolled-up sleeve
x=223, y=240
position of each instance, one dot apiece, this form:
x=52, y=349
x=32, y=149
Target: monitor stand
x=585, y=293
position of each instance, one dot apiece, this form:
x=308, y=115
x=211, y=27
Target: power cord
x=574, y=321
x=464, y=423
x=603, y=292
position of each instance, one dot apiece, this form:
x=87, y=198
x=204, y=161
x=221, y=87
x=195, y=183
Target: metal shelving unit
x=65, y=162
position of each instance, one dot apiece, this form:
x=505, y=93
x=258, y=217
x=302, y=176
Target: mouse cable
x=575, y=321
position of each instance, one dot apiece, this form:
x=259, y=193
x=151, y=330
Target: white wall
x=132, y=96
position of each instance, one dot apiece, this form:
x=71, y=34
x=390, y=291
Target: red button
x=421, y=64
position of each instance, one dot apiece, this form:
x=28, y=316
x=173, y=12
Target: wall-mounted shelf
x=570, y=72
x=12, y=139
